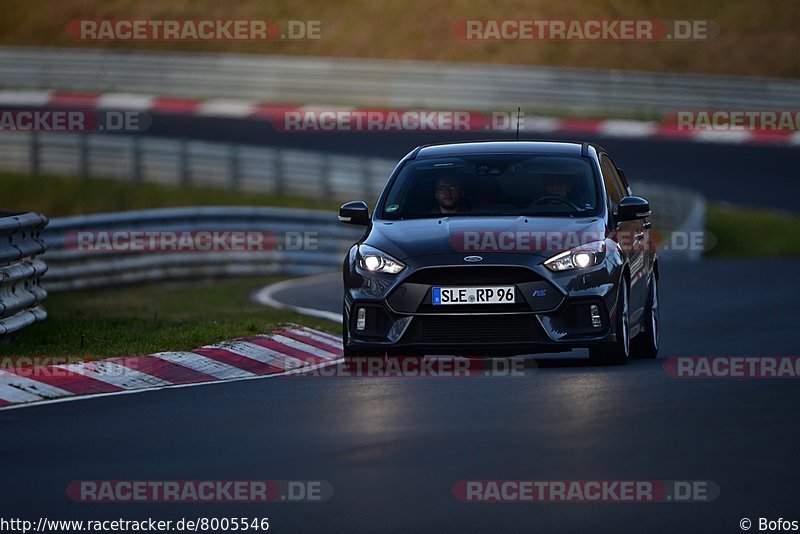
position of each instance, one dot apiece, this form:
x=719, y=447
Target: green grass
x=145, y=319
x=59, y=196
x=744, y=233
x=754, y=38
x=150, y=318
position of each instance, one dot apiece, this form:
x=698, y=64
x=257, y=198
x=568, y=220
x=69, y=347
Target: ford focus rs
x=498, y=248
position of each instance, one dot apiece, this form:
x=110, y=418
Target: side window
x=612, y=181
x=622, y=180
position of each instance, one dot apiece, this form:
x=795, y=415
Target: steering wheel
x=562, y=200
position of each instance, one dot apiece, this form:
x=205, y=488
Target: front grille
x=465, y=329
x=472, y=275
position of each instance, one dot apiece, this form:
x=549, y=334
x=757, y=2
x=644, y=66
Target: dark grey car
x=498, y=248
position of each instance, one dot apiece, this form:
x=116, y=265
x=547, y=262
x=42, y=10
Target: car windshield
x=496, y=184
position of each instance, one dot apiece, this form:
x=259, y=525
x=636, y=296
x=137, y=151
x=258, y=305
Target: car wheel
x=616, y=353
x=645, y=345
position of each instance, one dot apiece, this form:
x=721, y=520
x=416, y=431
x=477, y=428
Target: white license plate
x=473, y=295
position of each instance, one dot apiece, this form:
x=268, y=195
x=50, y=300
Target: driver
x=449, y=195
x=557, y=185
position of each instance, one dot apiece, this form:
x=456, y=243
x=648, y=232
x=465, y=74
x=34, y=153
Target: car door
x=648, y=249
x=629, y=235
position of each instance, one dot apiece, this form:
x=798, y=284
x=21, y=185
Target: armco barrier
x=317, y=244
x=21, y=268
x=387, y=83
x=181, y=162
x=679, y=218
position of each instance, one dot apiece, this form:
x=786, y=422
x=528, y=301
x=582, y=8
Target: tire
x=618, y=352
x=645, y=345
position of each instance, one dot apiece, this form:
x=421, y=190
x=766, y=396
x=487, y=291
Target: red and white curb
x=279, y=353
x=243, y=109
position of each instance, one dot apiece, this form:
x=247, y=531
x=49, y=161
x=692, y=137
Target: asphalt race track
x=393, y=447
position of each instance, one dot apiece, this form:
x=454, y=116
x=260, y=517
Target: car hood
x=543, y=236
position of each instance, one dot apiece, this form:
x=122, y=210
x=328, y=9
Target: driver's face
x=556, y=187
x=448, y=192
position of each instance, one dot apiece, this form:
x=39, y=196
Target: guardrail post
x=233, y=168
x=183, y=164
x=83, y=155
x=33, y=154
x=136, y=159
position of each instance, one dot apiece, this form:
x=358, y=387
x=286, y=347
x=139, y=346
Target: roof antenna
x=518, y=112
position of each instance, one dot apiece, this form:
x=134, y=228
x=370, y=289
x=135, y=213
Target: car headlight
x=376, y=261
x=578, y=257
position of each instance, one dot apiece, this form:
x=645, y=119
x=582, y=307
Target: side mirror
x=633, y=208
x=355, y=212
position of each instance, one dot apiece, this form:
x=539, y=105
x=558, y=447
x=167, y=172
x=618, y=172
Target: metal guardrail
x=679, y=219
x=183, y=162
x=76, y=269
x=21, y=295
x=388, y=83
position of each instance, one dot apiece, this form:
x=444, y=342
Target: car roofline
x=584, y=144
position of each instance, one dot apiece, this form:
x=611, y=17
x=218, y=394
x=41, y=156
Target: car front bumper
x=552, y=311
